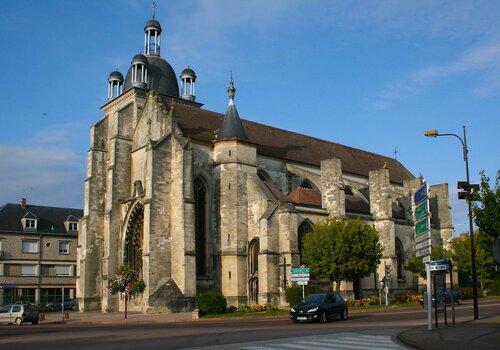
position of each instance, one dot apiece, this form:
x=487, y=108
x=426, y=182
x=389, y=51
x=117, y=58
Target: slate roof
x=48, y=218
x=202, y=125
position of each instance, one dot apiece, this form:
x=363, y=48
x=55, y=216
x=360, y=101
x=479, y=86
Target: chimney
x=23, y=202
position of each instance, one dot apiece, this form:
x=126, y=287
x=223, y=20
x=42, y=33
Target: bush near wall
x=211, y=303
x=293, y=294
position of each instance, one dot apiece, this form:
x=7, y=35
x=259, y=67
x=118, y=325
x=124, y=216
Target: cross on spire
x=153, y=8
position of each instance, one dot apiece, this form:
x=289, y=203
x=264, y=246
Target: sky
x=367, y=74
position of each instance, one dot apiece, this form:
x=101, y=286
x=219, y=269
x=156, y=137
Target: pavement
x=481, y=334
x=97, y=317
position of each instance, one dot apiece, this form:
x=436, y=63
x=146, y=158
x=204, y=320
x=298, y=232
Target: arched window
x=306, y=184
x=133, y=239
x=263, y=175
x=200, y=226
x=400, y=258
x=304, y=228
x=253, y=257
x=348, y=191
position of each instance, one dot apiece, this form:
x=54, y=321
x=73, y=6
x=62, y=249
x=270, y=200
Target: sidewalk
x=97, y=317
x=481, y=334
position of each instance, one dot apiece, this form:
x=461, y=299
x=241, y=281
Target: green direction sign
x=421, y=210
x=422, y=226
x=300, y=270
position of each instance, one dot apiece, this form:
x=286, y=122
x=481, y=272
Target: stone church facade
x=196, y=200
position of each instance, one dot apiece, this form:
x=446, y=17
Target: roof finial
x=153, y=8
x=231, y=89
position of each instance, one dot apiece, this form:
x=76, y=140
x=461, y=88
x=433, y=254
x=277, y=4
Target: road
x=254, y=333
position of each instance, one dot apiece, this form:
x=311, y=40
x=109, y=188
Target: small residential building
x=37, y=252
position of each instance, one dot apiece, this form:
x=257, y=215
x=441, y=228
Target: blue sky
x=372, y=75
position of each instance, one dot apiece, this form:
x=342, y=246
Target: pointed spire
x=153, y=9
x=232, y=128
x=231, y=90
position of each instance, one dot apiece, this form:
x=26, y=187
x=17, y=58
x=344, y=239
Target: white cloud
x=47, y=169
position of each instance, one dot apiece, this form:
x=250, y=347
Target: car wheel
x=323, y=318
x=19, y=321
x=295, y=320
x=34, y=322
x=343, y=314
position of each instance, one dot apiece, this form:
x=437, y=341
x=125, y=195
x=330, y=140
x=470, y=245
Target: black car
x=69, y=304
x=457, y=298
x=319, y=307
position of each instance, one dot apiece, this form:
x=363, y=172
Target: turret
x=115, y=84
x=188, y=78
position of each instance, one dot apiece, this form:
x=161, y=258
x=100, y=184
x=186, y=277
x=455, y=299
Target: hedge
x=293, y=294
x=211, y=303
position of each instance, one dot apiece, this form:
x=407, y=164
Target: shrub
x=293, y=294
x=211, y=303
x=271, y=307
x=415, y=298
x=467, y=292
x=244, y=308
x=493, y=286
x=373, y=300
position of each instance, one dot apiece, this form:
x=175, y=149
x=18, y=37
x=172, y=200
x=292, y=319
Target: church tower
x=235, y=159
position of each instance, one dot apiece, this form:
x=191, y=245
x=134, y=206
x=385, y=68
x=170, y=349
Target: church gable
x=154, y=122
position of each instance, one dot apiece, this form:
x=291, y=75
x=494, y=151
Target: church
x=195, y=200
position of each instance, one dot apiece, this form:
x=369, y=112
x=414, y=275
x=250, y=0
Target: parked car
x=319, y=307
x=457, y=298
x=22, y=302
x=18, y=314
x=69, y=304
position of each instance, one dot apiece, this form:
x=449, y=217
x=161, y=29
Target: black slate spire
x=232, y=128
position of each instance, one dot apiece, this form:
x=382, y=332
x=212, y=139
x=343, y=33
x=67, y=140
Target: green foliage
x=487, y=207
x=293, y=294
x=211, y=303
x=485, y=263
x=493, y=286
x=342, y=250
x=126, y=281
x=417, y=266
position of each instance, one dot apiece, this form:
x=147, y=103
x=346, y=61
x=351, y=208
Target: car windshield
x=314, y=298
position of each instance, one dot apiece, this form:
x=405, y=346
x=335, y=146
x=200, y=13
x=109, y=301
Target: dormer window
x=71, y=224
x=29, y=222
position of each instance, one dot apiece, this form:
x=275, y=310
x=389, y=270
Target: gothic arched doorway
x=399, y=258
x=133, y=239
x=253, y=270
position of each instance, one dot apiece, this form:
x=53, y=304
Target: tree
x=126, y=282
x=487, y=206
x=485, y=263
x=342, y=250
x=417, y=266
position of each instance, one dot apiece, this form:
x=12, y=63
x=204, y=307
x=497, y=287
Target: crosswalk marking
x=334, y=342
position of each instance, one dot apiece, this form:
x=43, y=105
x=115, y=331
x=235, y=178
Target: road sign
x=298, y=279
x=422, y=237
x=420, y=194
x=302, y=283
x=422, y=226
x=422, y=245
x=300, y=270
x=421, y=210
x=439, y=265
x=423, y=252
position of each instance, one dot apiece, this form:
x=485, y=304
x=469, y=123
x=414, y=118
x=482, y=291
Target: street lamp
x=467, y=187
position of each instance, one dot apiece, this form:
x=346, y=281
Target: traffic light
x=467, y=190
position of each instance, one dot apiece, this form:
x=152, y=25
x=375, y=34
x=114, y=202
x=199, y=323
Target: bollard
x=66, y=316
x=41, y=317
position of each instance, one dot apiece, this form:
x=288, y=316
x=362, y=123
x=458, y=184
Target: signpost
x=423, y=239
x=301, y=276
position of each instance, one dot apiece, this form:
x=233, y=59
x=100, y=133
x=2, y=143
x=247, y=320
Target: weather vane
x=395, y=152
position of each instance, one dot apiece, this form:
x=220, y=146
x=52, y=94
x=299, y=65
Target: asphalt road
x=205, y=333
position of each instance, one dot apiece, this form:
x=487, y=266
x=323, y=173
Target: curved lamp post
x=435, y=133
